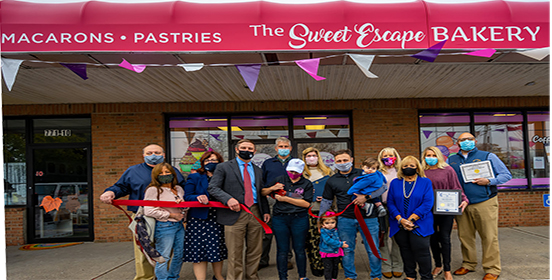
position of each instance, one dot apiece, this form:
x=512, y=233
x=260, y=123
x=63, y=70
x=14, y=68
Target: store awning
x=180, y=26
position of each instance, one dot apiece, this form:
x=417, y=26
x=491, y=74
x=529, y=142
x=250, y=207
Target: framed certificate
x=480, y=169
x=447, y=202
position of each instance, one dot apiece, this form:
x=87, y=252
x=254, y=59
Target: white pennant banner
x=364, y=62
x=190, y=67
x=10, y=67
x=537, y=54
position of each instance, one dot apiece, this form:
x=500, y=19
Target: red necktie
x=248, y=187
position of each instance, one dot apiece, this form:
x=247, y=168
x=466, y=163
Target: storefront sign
x=537, y=139
x=57, y=132
x=254, y=26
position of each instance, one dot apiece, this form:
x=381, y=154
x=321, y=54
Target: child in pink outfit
x=330, y=246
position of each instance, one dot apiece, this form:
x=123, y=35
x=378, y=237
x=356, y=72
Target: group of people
x=392, y=199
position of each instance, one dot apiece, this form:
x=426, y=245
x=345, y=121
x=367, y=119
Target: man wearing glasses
x=481, y=214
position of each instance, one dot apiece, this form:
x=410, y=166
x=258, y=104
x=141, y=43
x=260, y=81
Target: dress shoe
x=349, y=278
x=387, y=274
x=462, y=271
x=377, y=278
x=490, y=276
x=397, y=274
x=437, y=271
x=262, y=265
x=290, y=265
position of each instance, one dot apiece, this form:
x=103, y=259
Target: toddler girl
x=330, y=246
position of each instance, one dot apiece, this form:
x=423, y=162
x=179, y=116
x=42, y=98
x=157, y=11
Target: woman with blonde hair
x=318, y=173
x=389, y=161
x=169, y=230
x=443, y=177
x=410, y=202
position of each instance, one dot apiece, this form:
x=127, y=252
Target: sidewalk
x=525, y=254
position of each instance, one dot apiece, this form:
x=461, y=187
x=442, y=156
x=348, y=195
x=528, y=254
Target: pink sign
x=266, y=26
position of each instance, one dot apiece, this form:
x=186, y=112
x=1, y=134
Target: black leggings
x=414, y=249
x=331, y=267
x=440, y=240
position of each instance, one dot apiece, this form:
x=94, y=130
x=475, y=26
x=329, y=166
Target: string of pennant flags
x=250, y=72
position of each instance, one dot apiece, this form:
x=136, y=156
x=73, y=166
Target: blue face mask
x=431, y=160
x=283, y=152
x=467, y=145
x=210, y=167
x=344, y=167
x=154, y=159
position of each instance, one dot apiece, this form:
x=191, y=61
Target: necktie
x=248, y=187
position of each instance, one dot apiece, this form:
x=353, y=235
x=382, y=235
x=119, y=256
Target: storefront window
x=442, y=131
x=321, y=126
x=192, y=137
x=539, y=147
x=501, y=133
x=15, y=166
x=259, y=127
x=61, y=130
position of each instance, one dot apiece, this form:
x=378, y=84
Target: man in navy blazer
x=228, y=186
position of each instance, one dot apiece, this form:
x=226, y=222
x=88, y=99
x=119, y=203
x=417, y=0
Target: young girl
x=169, y=231
x=330, y=246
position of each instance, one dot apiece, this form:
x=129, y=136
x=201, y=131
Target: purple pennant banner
x=514, y=139
x=427, y=133
x=216, y=136
x=451, y=134
x=79, y=69
x=250, y=74
x=431, y=53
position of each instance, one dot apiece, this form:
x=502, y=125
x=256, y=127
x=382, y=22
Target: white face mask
x=312, y=160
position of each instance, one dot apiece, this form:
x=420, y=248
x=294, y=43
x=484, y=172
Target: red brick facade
x=119, y=132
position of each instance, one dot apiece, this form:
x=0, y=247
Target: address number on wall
x=57, y=132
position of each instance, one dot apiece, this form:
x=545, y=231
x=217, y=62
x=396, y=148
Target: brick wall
x=15, y=226
x=119, y=132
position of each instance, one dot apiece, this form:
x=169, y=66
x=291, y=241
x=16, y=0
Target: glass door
x=60, y=195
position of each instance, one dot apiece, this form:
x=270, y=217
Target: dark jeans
x=331, y=267
x=440, y=240
x=414, y=249
x=294, y=226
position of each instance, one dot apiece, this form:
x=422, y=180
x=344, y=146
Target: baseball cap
x=296, y=165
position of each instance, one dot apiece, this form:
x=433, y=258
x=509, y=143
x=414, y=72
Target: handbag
x=149, y=221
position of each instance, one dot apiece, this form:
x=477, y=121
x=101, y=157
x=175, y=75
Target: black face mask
x=246, y=155
x=210, y=167
x=409, y=171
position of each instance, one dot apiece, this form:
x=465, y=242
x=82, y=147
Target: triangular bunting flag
x=77, y=68
x=537, y=54
x=263, y=136
x=190, y=67
x=311, y=67
x=10, y=67
x=311, y=134
x=335, y=132
x=451, y=134
x=250, y=74
x=364, y=62
x=216, y=136
x=138, y=68
x=190, y=136
x=431, y=53
x=483, y=52
x=239, y=136
x=427, y=133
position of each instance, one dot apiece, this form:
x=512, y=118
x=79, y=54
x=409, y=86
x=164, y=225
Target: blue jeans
x=296, y=227
x=169, y=236
x=348, y=229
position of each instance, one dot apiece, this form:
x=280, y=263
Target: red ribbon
x=192, y=204
x=363, y=227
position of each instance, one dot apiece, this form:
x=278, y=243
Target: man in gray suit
x=239, y=181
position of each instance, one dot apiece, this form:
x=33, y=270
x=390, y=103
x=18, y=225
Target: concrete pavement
x=525, y=254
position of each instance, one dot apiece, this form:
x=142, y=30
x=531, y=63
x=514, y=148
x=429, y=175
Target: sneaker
x=381, y=211
x=369, y=207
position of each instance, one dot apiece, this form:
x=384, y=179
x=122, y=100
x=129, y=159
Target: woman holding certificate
x=443, y=177
x=410, y=203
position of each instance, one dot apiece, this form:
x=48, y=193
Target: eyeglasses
x=467, y=138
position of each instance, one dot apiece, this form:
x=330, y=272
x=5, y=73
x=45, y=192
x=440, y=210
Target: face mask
x=389, y=161
x=154, y=159
x=165, y=179
x=467, y=145
x=210, y=166
x=294, y=176
x=409, y=171
x=283, y=152
x=431, y=160
x=312, y=160
x=344, y=167
x=246, y=155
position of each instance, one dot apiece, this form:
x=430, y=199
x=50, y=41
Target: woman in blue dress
x=204, y=241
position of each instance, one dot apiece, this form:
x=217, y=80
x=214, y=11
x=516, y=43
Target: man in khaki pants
x=481, y=215
x=239, y=181
x=133, y=183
